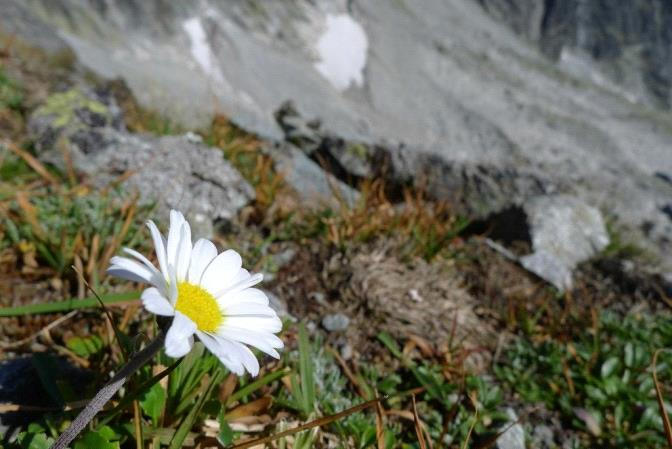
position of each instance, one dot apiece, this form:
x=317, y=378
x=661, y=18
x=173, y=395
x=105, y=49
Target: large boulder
x=451, y=93
x=169, y=171
x=564, y=231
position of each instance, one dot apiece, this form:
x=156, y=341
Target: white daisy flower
x=208, y=294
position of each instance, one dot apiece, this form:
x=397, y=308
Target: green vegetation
x=600, y=381
x=76, y=227
x=399, y=392
x=11, y=94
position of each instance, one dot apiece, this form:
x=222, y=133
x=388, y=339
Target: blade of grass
x=68, y=305
x=135, y=394
x=188, y=422
x=471, y=429
x=380, y=426
x=418, y=428
x=661, y=401
x=306, y=371
x=32, y=162
x=137, y=422
x=250, y=388
x=117, y=332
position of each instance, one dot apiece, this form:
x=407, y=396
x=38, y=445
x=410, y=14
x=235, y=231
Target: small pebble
x=335, y=322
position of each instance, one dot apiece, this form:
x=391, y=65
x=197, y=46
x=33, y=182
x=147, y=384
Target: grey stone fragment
x=565, y=231
x=543, y=437
x=548, y=267
x=336, y=322
x=514, y=437
x=346, y=351
x=310, y=181
x=277, y=304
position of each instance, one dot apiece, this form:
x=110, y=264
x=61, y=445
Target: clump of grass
x=11, y=93
x=426, y=227
x=139, y=119
x=59, y=227
x=11, y=106
x=244, y=152
x=600, y=381
x=620, y=246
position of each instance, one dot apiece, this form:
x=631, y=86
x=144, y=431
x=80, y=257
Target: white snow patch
x=342, y=51
x=201, y=50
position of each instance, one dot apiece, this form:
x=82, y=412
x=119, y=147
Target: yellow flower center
x=199, y=305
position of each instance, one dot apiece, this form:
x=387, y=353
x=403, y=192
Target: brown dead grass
x=424, y=226
x=379, y=292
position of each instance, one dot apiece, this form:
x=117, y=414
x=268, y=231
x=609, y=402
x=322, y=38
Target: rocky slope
x=629, y=45
x=442, y=88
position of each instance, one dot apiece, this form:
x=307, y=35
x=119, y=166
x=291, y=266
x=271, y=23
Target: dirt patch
x=378, y=292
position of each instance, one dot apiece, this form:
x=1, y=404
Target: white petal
x=247, y=357
x=239, y=352
x=174, y=235
x=201, y=256
x=183, y=252
x=130, y=270
x=221, y=271
x=265, y=342
x=229, y=358
x=245, y=283
x=172, y=286
x=179, y=338
x=159, y=247
x=247, y=296
x=248, y=309
x=259, y=324
x=156, y=303
x=141, y=258
x=157, y=279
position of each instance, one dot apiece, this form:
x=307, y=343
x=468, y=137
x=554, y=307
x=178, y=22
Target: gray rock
x=76, y=116
x=308, y=179
x=543, y=437
x=284, y=257
x=594, y=36
x=548, y=267
x=514, y=437
x=564, y=232
x=346, y=352
x=171, y=171
x=335, y=322
x=456, y=97
x=319, y=298
x=277, y=304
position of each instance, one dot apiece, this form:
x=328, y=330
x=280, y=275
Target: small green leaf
x=225, y=435
x=306, y=371
x=99, y=440
x=608, y=367
x=153, y=402
x=390, y=343
x=85, y=346
x=35, y=441
x=629, y=354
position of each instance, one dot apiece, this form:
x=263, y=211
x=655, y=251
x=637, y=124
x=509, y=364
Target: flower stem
x=108, y=391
